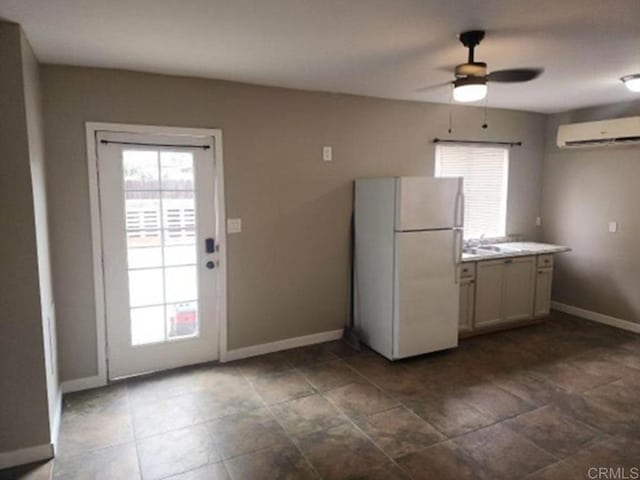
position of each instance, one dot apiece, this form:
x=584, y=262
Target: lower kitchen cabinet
x=506, y=290
x=467, y=296
x=519, y=288
x=489, y=287
x=544, y=277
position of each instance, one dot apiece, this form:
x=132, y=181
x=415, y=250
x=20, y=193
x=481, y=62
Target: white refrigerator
x=408, y=245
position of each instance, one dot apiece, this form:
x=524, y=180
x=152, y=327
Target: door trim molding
x=91, y=129
x=287, y=343
x=597, y=317
x=57, y=419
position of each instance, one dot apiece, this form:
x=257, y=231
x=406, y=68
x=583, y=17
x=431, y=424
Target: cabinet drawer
x=545, y=260
x=468, y=270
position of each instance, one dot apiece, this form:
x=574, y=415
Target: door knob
x=211, y=265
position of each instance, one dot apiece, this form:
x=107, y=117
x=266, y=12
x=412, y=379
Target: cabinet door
x=544, y=277
x=519, y=288
x=489, y=286
x=467, y=295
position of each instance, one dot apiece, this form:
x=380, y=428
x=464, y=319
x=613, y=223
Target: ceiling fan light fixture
x=632, y=82
x=466, y=90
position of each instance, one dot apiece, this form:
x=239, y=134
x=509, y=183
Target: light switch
x=234, y=225
x=327, y=154
x=613, y=227
x=538, y=222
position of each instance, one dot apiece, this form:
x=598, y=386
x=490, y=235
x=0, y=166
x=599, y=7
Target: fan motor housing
x=475, y=69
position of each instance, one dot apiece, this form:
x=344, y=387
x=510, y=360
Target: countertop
x=510, y=249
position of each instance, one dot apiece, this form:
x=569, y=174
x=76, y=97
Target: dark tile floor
x=542, y=402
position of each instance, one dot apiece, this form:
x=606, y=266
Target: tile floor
x=541, y=402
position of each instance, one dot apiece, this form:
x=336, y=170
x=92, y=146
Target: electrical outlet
x=538, y=222
x=234, y=225
x=327, y=154
x=613, y=227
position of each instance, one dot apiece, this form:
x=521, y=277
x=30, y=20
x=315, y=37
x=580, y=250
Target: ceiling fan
x=470, y=84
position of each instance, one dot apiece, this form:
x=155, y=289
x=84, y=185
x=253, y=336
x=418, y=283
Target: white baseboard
x=245, y=352
x=23, y=456
x=82, y=384
x=597, y=317
x=286, y=344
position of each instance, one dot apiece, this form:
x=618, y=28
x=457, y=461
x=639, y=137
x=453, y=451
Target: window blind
x=486, y=172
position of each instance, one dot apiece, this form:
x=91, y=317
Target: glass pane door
x=160, y=212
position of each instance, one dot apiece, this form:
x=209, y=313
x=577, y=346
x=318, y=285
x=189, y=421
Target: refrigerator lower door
x=426, y=292
x=427, y=203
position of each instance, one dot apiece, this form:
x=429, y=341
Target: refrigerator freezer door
x=427, y=203
x=427, y=294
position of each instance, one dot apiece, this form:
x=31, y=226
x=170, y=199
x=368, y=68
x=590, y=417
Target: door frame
x=91, y=130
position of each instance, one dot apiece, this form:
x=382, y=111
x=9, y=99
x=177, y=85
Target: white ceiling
x=383, y=48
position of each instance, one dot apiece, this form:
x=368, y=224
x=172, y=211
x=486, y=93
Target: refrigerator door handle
x=457, y=254
x=456, y=208
x=458, y=221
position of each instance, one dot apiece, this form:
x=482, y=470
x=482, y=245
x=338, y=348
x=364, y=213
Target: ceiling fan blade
x=515, y=75
x=433, y=87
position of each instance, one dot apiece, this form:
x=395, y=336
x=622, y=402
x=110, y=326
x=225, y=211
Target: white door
x=427, y=203
x=427, y=292
x=159, y=227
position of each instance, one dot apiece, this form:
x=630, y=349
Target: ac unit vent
x=610, y=141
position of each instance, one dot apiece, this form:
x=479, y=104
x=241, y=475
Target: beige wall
x=584, y=190
x=35, y=130
x=288, y=269
x=24, y=414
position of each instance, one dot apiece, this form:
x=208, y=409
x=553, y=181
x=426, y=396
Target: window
x=486, y=175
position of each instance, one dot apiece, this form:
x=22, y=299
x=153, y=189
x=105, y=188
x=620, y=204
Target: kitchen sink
x=479, y=251
x=500, y=248
x=490, y=250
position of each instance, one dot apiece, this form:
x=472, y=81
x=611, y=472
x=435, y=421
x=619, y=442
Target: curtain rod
x=476, y=142
x=204, y=147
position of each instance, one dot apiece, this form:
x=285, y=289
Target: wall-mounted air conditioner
x=617, y=131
